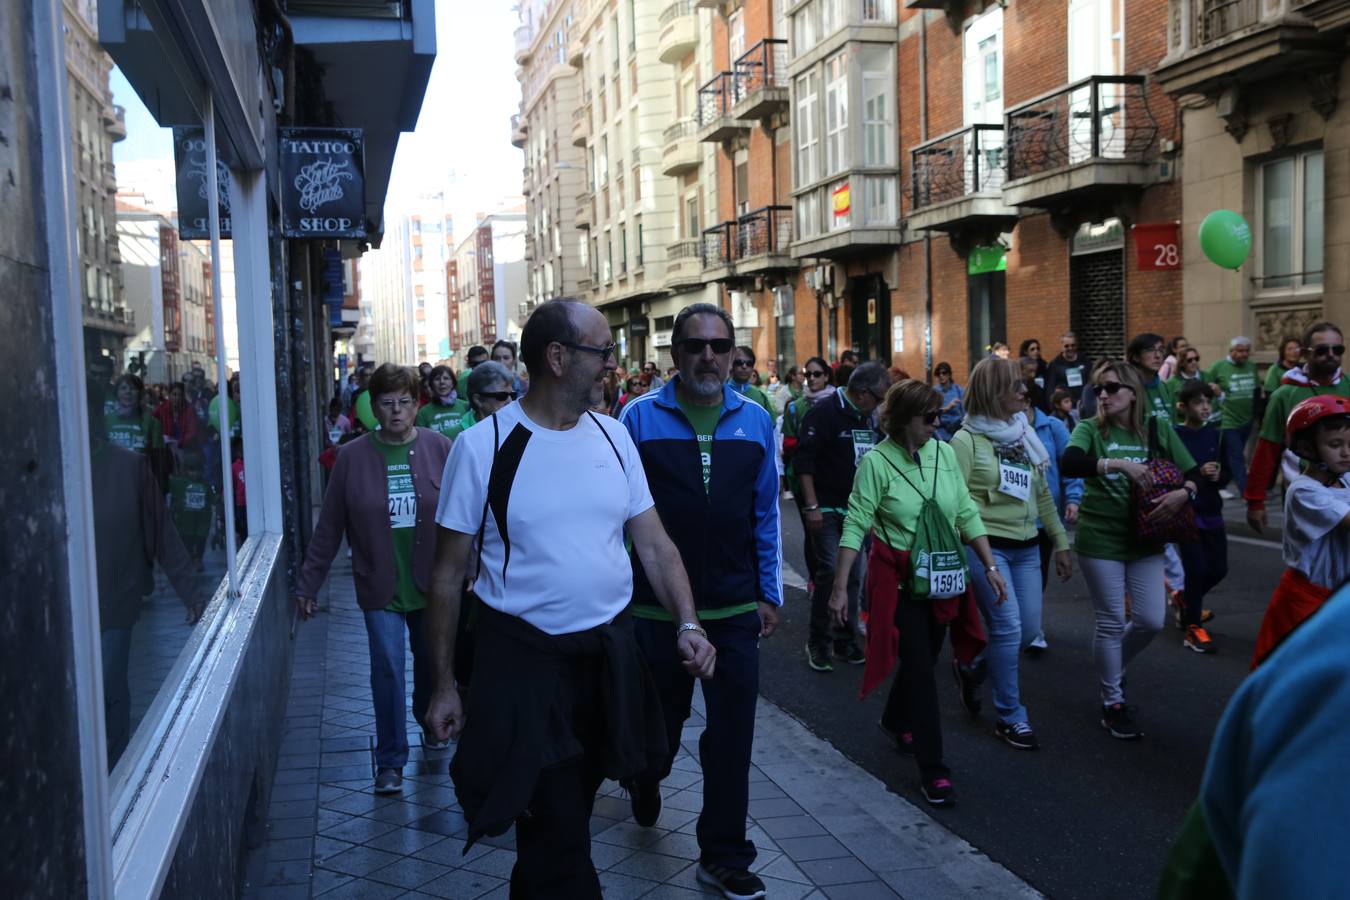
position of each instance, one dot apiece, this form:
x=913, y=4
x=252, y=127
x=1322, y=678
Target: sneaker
x=1197, y=639
x=644, y=794
x=1038, y=645
x=938, y=791
x=1018, y=735
x=818, y=658
x=734, y=884
x=389, y=781
x=850, y=652
x=1179, y=616
x=904, y=740
x=433, y=745
x=967, y=686
x=1226, y=494
x=1117, y=720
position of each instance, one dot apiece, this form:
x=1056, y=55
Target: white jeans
x=1114, y=641
x=1172, y=568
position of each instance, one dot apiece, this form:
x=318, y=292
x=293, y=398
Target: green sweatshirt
x=883, y=500
x=1004, y=515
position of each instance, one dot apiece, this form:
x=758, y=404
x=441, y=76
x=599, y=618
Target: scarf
x=1014, y=434
x=814, y=397
x=449, y=399
x=1300, y=376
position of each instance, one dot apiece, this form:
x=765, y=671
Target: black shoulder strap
x=1152, y=435
x=609, y=440
x=906, y=477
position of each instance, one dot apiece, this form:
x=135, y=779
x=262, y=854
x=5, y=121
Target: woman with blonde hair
x=1111, y=453
x=1004, y=465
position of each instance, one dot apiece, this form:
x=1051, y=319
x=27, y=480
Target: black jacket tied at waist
x=520, y=716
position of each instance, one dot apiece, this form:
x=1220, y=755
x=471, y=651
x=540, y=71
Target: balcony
x=517, y=131
x=849, y=214
x=763, y=241
x=1327, y=15
x=681, y=152
x=584, y=215
x=684, y=264
x=581, y=125
x=1091, y=138
x=576, y=49
x=957, y=182
x=715, y=100
x=718, y=251
x=524, y=36
x=762, y=80
x=1214, y=44
x=679, y=32
x=529, y=247
x=115, y=117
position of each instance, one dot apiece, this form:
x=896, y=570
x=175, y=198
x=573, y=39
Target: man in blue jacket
x=709, y=454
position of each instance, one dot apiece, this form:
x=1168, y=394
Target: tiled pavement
x=824, y=828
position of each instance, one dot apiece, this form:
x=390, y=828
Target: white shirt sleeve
x=463, y=489
x=639, y=493
x=1314, y=511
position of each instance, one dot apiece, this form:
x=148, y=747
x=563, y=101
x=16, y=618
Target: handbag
x=1167, y=477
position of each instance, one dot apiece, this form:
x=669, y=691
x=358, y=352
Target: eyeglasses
x=1332, y=349
x=604, y=352
x=932, y=416
x=499, y=396
x=696, y=346
x=815, y=373
x=1111, y=387
x=391, y=403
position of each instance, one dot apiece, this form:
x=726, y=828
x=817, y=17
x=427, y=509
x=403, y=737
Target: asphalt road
x=1086, y=816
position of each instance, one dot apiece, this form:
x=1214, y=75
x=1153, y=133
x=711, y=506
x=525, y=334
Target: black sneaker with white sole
x=734, y=884
x=850, y=652
x=967, y=686
x=938, y=791
x=818, y=658
x=1017, y=735
x=1119, y=723
x=389, y=781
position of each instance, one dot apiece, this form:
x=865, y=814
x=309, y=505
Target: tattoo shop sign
x=323, y=183
x=190, y=170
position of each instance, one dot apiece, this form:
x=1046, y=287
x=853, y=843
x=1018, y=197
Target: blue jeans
x=388, y=690
x=1012, y=625
x=1232, y=452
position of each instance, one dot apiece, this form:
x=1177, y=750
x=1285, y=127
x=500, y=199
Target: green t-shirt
x=462, y=383
x=1163, y=402
x=750, y=392
x=704, y=419
x=1107, y=511
x=1283, y=401
x=1273, y=376
x=455, y=427
x=402, y=525
x=1238, y=384
x=191, y=503
x=441, y=418
x=138, y=433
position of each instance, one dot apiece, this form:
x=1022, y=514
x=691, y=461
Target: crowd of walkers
x=568, y=547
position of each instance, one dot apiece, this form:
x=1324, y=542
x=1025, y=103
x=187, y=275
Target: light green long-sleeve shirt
x=886, y=502
x=1003, y=515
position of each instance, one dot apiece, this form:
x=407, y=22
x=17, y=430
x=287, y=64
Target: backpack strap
x=609, y=440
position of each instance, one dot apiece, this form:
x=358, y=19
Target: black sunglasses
x=932, y=416
x=815, y=373
x=695, y=346
x=604, y=352
x=1333, y=349
x=1111, y=387
x=499, y=396
x=742, y=364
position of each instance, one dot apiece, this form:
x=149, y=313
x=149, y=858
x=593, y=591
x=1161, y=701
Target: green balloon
x=364, y=412
x=213, y=414
x=1226, y=238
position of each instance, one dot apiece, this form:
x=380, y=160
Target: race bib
x=946, y=575
x=334, y=435
x=1073, y=377
x=402, y=501
x=1014, y=480
x=1040, y=382
x=195, y=499
x=863, y=441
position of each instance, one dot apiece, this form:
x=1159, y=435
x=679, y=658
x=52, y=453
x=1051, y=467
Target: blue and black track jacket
x=729, y=535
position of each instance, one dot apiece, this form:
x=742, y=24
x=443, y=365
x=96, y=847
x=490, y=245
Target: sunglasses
x=932, y=416
x=814, y=373
x=499, y=396
x=1111, y=388
x=741, y=364
x=1329, y=349
x=696, y=346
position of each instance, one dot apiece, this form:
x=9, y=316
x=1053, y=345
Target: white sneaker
x=1227, y=494
x=1038, y=644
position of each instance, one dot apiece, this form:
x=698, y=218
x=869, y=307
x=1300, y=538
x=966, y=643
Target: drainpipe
x=927, y=239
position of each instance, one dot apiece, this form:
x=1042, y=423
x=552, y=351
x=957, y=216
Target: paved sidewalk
x=824, y=828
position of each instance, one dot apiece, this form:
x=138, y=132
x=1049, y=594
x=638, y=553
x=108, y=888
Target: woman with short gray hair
x=491, y=386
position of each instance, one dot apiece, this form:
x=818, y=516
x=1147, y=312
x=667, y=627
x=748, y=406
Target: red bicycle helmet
x=1309, y=413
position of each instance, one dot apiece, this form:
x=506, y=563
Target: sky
x=462, y=141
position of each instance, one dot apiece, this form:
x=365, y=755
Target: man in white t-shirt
x=561, y=698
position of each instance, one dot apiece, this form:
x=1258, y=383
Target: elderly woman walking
x=489, y=388
x=383, y=496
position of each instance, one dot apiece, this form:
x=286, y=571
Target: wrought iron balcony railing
x=1104, y=117
x=969, y=161
x=764, y=232
x=719, y=244
x=716, y=98
x=762, y=66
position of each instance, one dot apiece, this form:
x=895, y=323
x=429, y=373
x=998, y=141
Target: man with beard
x=709, y=452
x=561, y=696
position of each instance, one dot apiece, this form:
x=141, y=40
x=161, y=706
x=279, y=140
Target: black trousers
x=553, y=837
x=808, y=545
x=912, y=705
x=1205, y=562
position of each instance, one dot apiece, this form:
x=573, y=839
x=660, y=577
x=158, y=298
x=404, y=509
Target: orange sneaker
x=1197, y=639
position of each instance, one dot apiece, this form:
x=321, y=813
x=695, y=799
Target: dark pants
x=822, y=633
x=1205, y=561
x=553, y=836
x=808, y=545
x=913, y=702
x=1233, y=453
x=724, y=747
x=1047, y=545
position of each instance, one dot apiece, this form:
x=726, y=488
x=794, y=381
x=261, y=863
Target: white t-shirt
x=568, y=570
x=1314, y=542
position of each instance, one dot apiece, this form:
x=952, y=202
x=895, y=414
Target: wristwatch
x=811, y=508
x=1190, y=492
x=690, y=626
